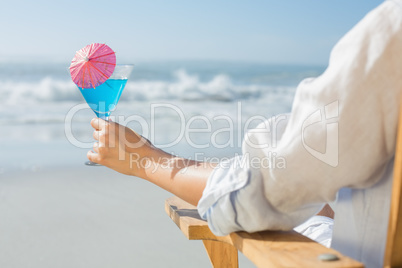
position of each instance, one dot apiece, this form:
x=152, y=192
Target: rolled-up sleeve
x=340, y=133
x=234, y=198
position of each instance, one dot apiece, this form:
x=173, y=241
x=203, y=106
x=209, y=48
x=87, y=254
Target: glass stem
x=106, y=118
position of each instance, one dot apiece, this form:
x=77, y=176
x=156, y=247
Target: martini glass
x=103, y=99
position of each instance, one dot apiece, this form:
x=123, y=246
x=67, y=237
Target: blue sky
x=280, y=31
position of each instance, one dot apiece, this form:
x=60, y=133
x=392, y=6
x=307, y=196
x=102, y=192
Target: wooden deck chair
x=286, y=249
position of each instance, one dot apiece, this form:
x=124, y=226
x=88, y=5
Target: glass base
x=93, y=164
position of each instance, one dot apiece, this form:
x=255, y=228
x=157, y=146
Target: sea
x=182, y=106
x=57, y=212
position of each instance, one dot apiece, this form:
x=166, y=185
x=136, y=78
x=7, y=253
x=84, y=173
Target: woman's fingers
x=98, y=123
x=100, y=136
x=102, y=133
x=94, y=157
x=96, y=147
x=95, y=123
x=96, y=135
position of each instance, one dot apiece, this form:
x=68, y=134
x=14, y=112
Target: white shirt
x=339, y=137
x=318, y=228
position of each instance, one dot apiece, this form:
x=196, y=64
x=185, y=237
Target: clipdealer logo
x=330, y=116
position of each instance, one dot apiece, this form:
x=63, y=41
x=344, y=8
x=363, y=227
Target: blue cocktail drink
x=103, y=99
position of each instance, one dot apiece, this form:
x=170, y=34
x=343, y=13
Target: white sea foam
x=48, y=100
x=45, y=90
x=183, y=87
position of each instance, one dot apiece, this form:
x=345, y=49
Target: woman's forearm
x=182, y=177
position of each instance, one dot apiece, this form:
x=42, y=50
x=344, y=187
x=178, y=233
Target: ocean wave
x=183, y=87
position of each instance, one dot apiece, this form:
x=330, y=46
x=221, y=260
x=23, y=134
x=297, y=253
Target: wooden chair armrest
x=264, y=249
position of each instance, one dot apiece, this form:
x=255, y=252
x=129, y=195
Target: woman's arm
x=125, y=151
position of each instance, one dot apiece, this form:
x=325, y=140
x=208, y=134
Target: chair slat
x=264, y=249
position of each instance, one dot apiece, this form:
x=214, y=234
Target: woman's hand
x=120, y=148
x=127, y=152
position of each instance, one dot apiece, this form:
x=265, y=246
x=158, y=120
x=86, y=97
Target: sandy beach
x=71, y=215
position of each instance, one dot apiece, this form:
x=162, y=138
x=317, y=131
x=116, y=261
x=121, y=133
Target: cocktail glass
x=103, y=99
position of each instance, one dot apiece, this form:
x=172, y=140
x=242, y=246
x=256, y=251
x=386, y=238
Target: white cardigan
x=339, y=137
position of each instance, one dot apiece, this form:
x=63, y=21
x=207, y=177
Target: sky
x=281, y=31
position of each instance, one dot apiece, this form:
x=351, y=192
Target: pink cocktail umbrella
x=92, y=65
